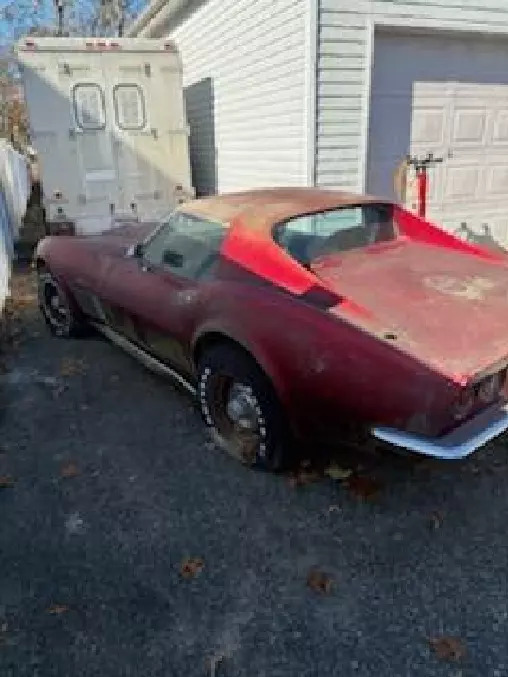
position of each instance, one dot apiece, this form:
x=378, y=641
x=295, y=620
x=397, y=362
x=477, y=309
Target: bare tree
x=67, y=17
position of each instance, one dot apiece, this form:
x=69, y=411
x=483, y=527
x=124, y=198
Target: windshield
x=307, y=238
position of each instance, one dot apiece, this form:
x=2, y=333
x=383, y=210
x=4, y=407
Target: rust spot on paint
x=471, y=289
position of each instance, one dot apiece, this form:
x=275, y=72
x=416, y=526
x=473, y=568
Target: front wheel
x=241, y=409
x=57, y=306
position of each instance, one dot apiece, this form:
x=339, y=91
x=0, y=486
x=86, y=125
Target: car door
x=154, y=298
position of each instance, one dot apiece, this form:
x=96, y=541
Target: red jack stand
x=421, y=166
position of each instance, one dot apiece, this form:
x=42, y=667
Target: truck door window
x=130, y=109
x=89, y=107
x=186, y=245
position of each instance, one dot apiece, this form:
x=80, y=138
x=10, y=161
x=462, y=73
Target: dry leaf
x=191, y=567
x=69, y=471
x=6, y=482
x=57, y=609
x=448, y=648
x=319, y=581
x=436, y=520
x=302, y=478
x=71, y=367
x=364, y=487
x=334, y=472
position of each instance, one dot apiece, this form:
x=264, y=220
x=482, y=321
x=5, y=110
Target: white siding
x=344, y=63
x=248, y=57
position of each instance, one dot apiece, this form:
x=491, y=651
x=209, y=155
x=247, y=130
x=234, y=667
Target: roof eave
x=161, y=17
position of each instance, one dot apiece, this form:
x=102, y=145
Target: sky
x=17, y=16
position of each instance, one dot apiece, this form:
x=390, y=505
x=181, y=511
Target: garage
x=334, y=94
x=446, y=95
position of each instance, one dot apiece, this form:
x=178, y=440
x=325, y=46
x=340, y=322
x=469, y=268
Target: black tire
x=67, y=321
x=222, y=368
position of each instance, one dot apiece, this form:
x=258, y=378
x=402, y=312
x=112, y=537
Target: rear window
x=130, y=109
x=307, y=238
x=89, y=108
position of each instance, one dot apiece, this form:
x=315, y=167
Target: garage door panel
x=469, y=126
x=428, y=126
x=454, y=93
x=497, y=181
x=500, y=128
x=461, y=183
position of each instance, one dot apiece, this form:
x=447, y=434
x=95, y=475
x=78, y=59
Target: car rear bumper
x=460, y=442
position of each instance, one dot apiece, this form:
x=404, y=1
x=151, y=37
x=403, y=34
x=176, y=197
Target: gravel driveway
x=115, y=485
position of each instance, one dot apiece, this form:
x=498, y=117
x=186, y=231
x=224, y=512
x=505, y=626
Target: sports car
x=295, y=314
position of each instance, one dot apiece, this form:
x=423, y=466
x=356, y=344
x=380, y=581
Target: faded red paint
x=395, y=347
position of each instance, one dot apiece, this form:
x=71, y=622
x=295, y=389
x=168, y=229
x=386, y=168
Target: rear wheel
x=57, y=306
x=241, y=409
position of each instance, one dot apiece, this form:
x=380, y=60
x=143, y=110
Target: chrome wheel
x=54, y=305
x=235, y=418
x=240, y=408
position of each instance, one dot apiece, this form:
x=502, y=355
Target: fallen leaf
x=334, y=472
x=448, y=648
x=71, y=366
x=69, y=471
x=302, y=478
x=191, y=567
x=57, y=609
x=319, y=581
x=3, y=627
x=364, y=487
x=6, y=482
x=334, y=508
x=436, y=520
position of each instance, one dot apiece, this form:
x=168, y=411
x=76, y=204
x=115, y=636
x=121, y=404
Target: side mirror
x=135, y=251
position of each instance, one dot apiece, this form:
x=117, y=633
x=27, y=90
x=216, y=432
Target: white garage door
x=448, y=96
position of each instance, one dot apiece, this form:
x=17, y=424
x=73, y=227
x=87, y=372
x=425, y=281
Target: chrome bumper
x=459, y=443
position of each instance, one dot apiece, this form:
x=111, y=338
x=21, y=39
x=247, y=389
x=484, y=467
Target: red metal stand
x=421, y=166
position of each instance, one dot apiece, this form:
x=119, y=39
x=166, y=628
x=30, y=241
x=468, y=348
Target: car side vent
x=320, y=298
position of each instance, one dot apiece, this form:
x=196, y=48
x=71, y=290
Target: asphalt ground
x=109, y=486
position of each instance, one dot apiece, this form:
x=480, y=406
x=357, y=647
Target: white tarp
x=14, y=194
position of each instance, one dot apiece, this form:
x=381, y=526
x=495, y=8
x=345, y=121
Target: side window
x=186, y=245
x=89, y=106
x=130, y=109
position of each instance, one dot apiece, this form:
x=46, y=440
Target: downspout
x=145, y=18
x=311, y=59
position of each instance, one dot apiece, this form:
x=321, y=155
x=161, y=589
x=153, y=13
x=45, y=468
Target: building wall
x=345, y=32
x=245, y=78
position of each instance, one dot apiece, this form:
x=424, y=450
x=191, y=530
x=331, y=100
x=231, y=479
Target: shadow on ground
x=109, y=484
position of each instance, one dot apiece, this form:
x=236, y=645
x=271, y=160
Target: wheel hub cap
x=241, y=407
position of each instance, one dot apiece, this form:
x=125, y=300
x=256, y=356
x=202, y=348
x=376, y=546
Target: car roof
x=260, y=209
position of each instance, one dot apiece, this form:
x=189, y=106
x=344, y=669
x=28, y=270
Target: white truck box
x=107, y=118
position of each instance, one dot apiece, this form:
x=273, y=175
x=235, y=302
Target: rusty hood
x=446, y=308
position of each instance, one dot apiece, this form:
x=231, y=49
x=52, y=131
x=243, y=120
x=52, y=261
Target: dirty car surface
x=298, y=313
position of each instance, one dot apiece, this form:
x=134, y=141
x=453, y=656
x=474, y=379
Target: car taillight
x=464, y=404
x=489, y=388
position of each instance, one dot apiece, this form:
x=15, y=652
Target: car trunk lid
x=446, y=308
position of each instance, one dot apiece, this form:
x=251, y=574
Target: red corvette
x=298, y=312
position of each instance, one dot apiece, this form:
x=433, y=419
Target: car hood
x=446, y=308
x=120, y=237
